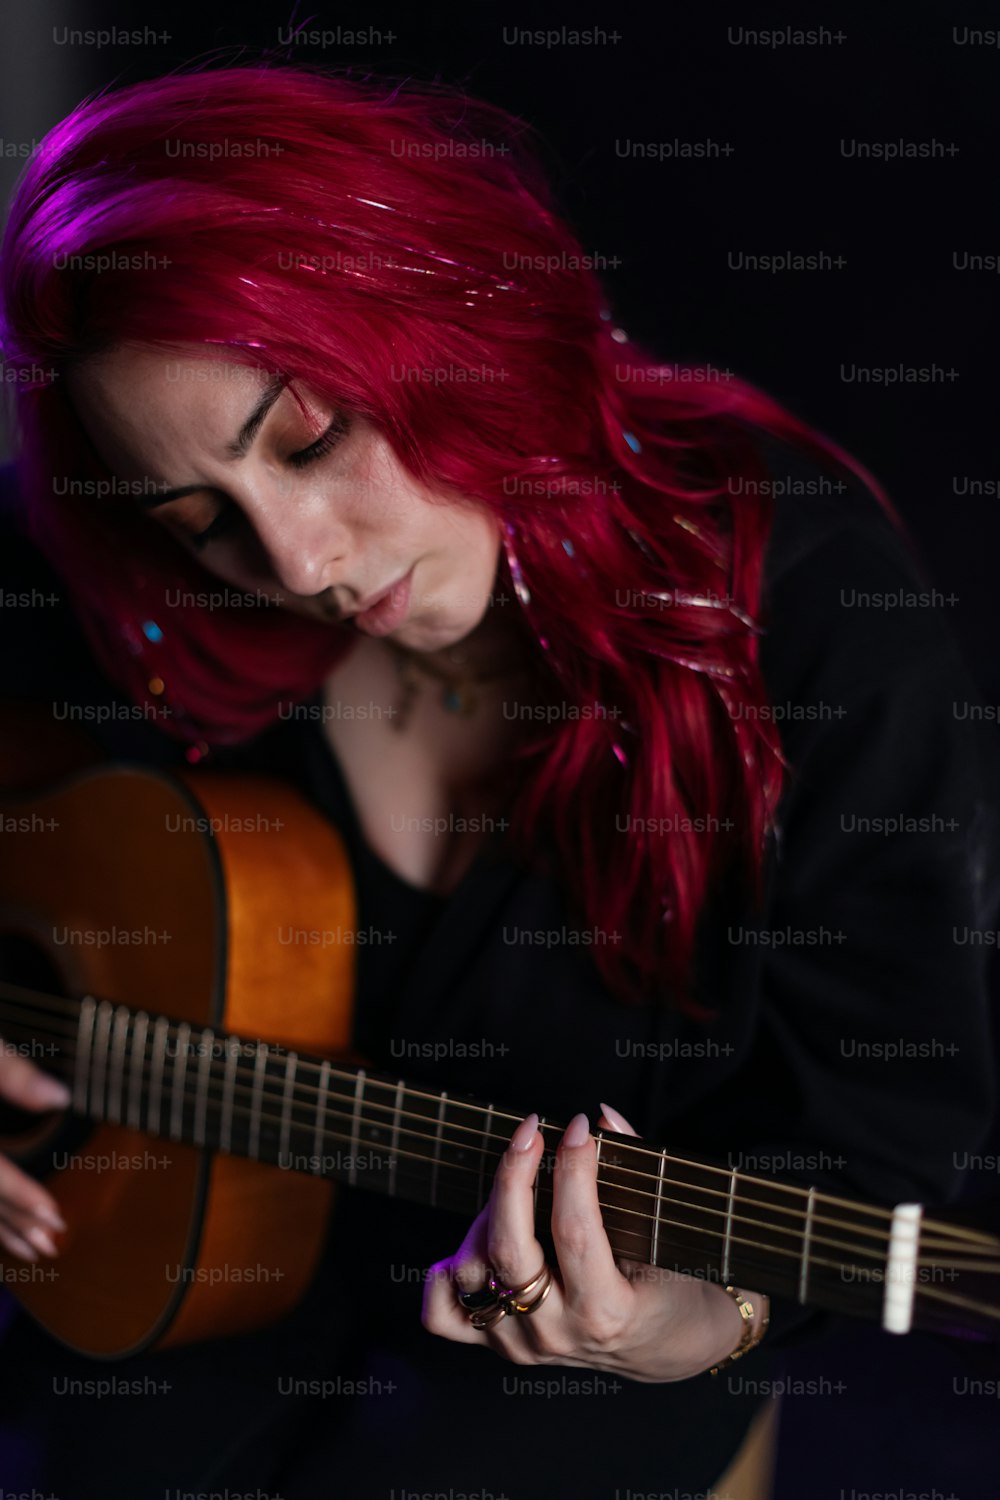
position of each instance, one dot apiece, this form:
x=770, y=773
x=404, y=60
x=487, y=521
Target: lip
x=387, y=610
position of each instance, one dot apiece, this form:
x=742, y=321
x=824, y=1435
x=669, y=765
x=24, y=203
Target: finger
x=612, y=1120
x=16, y=1244
x=586, y=1260
x=468, y=1269
x=33, y=1234
x=28, y=1087
x=442, y=1313
x=22, y=1198
x=514, y=1252
x=470, y=1263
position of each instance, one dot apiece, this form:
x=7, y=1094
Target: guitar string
x=816, y=1262
x=620, y=1142
x=935, y=1294
x=308, y=1128
x=389, y=1109
x=332, y=1136
x=305, y=1064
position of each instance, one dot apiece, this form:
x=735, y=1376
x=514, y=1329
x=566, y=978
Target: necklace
x=459, y=690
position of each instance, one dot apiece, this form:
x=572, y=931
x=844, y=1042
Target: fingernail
x=51, y=1093
x=41, y=1239
x=577, y=1131
x=525, y=1133
x=51, y=1217
x=616, y=1121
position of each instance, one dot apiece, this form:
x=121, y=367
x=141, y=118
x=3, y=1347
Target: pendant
x=459, y=700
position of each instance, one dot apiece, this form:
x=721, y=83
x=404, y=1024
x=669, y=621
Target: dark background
x=898, y=1427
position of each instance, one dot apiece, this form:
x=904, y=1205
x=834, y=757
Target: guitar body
x=112, y=883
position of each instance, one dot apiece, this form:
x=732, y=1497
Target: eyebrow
x=238, y=448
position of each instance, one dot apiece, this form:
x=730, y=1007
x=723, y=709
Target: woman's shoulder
x=818, y=508
x=845, y=590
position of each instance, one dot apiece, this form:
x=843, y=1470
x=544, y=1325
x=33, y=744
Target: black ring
x=478, y=1300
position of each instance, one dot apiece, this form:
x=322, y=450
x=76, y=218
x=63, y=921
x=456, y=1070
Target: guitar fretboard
x=302, y=1113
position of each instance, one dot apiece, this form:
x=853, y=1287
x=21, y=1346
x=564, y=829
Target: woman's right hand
x=28, y=1212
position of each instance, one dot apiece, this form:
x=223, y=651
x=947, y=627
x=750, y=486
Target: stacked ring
x=494, y=1301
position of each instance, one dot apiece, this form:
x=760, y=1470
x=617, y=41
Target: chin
x=433, y=635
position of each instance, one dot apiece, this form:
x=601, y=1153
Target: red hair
x=354, y=228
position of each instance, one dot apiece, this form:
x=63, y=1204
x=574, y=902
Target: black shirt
x=795, y=1071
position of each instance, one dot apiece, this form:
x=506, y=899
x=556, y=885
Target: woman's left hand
x=600, y=1313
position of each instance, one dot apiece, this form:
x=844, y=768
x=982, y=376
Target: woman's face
x=322, y=533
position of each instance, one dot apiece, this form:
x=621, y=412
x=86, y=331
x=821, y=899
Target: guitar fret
x=324, y=1085
x=228, y=1096
x=84, y=1048
x=160, y=1030
x=482, y=1156
x=177, y=1086
x=806, y=1239
x=138, y=1063
x=730, y=1206
x=259, y=1072
x=204, y=1078
x=286, y=1103
x=119, y=1036
x=394, y=1142
x=359, y=1090
x=102, y=1038
x=437, y=1149
x=660, y=1172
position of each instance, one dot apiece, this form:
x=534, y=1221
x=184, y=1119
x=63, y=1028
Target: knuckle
x=503, y=1255
x=604, y=1328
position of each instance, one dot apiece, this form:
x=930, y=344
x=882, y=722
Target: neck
x=495, y=644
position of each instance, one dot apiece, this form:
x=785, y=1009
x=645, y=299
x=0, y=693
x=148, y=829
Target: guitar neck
x=301, y=1113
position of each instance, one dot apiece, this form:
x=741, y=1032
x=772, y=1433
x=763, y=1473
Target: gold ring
x=491, y=1302
x=514, y=1297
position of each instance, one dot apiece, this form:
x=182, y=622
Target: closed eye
x=338, y=428
x=231, y=515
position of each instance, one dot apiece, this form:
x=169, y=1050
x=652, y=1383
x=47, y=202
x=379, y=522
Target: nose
x=306, y=554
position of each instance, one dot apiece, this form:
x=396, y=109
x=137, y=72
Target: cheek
x=243, y=573
x=474, y=565
x=486, y=543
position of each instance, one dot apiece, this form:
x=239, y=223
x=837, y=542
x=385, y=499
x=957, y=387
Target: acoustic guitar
x=214, y=1103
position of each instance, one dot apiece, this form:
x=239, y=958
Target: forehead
x=146, y=407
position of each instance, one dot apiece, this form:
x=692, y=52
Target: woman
x=330, y=437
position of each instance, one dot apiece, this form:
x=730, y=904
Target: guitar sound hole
x=24, y=961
